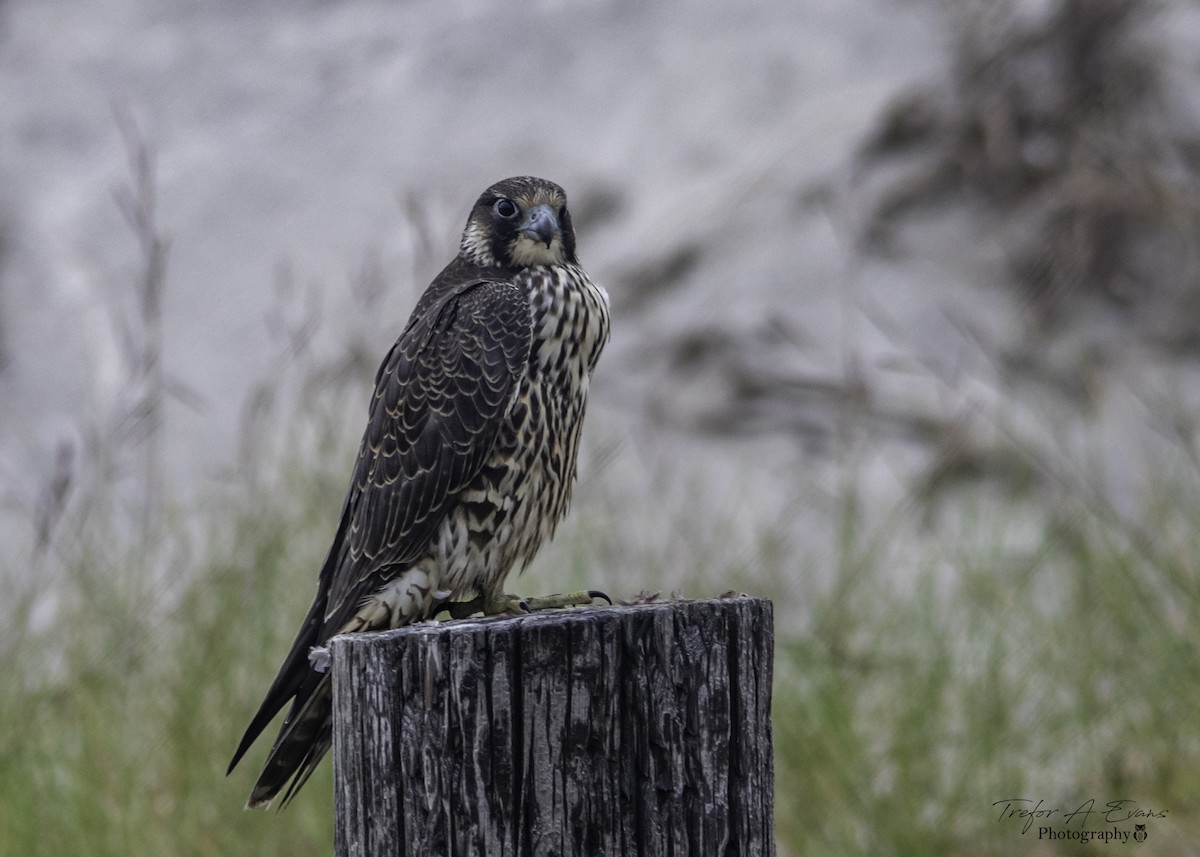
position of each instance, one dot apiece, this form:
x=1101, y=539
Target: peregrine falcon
x=468, y=458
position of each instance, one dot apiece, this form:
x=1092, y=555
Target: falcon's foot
x=502, y=603
x=584, y=598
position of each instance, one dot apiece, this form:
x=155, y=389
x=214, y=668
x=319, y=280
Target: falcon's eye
x=505, y=208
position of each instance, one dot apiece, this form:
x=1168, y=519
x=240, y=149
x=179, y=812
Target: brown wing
x=440, y=398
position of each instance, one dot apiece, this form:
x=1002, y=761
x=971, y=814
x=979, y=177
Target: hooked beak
x=540, y=224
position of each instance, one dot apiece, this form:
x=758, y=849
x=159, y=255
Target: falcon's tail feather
x=309, y=693
x=289, y=682
x=304, y=739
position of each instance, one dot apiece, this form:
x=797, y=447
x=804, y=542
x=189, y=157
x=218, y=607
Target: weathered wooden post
x=634, y=731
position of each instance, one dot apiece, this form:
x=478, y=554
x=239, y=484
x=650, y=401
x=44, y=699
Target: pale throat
x=527, y=252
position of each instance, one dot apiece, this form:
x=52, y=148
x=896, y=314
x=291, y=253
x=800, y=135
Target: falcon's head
x=518, y=223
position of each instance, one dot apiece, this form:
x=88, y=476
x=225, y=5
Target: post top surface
x=434, y=627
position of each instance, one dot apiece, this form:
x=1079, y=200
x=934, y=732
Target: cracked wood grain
x=639, y=731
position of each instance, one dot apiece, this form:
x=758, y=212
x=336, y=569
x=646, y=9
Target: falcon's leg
x=498, y=603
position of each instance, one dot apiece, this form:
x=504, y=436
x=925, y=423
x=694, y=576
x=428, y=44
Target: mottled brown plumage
x=469, y=454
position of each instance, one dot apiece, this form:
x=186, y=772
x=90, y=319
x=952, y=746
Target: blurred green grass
x=1064, y=671
x=123, y=710
x=907, y=702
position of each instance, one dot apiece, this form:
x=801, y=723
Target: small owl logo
x=1139, y=833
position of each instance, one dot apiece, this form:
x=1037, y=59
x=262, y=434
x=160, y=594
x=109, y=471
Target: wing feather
x=440, y=399
x=439, y=402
